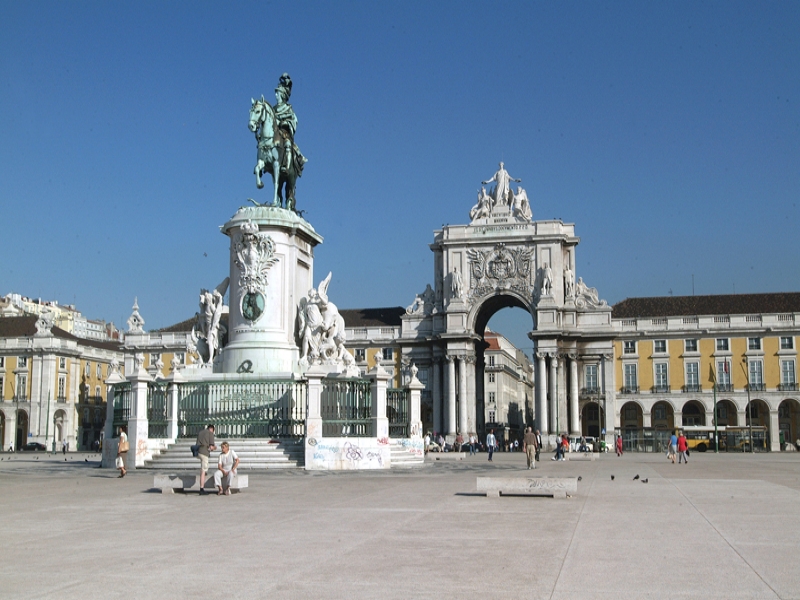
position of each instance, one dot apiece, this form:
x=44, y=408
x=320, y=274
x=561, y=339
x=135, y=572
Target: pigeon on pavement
x=637, y=477
x=644, y=480
x=612, y=478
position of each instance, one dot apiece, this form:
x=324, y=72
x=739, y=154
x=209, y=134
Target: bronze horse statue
x=270, y=157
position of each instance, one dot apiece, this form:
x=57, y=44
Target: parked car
x=34, y=446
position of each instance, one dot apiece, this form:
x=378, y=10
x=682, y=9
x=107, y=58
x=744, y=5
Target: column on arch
x=554, y=416
x=472, y=395
x=541, y=393
x=451, y=395
x=563, y=413
x=437, y=394
x=574, y=421
x=462, y=395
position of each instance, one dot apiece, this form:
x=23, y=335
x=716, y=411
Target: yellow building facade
x=675, y=358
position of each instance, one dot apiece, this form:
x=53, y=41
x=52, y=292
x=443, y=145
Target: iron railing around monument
x=157, y=409
x=346, y=408
x=397, y=412
x=122, y=404
x=243, y=409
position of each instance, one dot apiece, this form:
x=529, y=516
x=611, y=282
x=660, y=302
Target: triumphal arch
x=506, y=258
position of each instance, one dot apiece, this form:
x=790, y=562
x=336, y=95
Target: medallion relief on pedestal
x=255, y=254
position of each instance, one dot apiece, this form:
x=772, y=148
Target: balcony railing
x=629, y=389
x=692, y=388
x=590, y=391
x=660, y=389
x=757, y=387
x=19, y=399
x=724, y=387
x=787, y=387
x=61, y=399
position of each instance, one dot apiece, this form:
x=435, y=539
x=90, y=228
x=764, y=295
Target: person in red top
x=619, y=445
x=683, y=447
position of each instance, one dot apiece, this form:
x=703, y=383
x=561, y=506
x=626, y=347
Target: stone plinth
x=272, y=268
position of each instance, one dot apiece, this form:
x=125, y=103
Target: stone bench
x=557, y=487
x=168, y=483
x=583, y=455
x=448, y=455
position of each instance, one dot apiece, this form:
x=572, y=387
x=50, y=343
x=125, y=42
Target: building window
x=662, y=379
x=88, y=369
x=492, y=416
x=722, y=344
x=387, y=353
x=491, y=397
x=693, y=376
x=630, y=413
x=62, y=387
x=99, y=371
x=181, y=357
x=756, y=374
x=491, y=361
x=723, y=375
x=787, y=343
x=361, y=354
x=660, y=346
x=97, y=392
x=2, y=388
x=629, y=347
x=722, y=411
x=591, y=377
x=2, y=362
x=62, y=363
x=491, y=377
x=631, y=378
x=754, y=343
x=787, y=372
x=22, y=387
x=659, y=413
x=22, y=362
x=690, y=345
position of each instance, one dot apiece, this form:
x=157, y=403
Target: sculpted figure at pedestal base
x=320, y=329
x=208, y=330
x=569, y=283
x=483, y=208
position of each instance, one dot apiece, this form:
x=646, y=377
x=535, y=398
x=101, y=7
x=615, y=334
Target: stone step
x=252, y=453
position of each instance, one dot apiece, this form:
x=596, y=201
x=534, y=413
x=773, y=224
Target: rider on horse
x=287, y=125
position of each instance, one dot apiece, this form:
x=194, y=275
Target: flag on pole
x=712, y=377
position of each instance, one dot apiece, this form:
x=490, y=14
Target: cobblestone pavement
x=723, y=526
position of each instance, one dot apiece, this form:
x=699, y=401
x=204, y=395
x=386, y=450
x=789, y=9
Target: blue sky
x=669, y=133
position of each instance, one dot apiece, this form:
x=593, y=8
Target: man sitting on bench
x=228, y=462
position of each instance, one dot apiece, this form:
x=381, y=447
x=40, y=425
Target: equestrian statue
x=278, y=155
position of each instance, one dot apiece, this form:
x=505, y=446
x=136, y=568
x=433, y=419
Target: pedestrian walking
x=64, y=447
x=683, y=449
x=619, y=445
x=122, y=452
x=530, y=448
x=472, y=443
x=538, y=444
x=672, y=451
x=491, y=442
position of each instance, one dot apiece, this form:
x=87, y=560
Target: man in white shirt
x=491, y=442
x=228, y=462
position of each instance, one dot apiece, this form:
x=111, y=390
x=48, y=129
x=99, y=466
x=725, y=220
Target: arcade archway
x=789, y=421
x=693, y=413
x=22, y=429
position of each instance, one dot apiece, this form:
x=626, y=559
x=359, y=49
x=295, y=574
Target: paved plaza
x=723, y=526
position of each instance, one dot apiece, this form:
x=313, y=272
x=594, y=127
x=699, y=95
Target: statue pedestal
x=272, y=268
